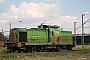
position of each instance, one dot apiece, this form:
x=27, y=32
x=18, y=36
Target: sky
x=34, y=12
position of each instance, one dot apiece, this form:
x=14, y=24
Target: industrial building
x=79, y=39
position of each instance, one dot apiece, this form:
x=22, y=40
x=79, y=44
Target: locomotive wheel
x=12, y=49
x=38, y=49
x=18, y=50
x=28, y=50
x=69, y=47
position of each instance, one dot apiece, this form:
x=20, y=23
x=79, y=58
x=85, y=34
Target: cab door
x=22, y=36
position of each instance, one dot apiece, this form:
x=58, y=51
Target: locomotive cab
x=53, y=31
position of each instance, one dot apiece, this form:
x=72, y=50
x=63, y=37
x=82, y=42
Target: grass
x=81, y=47
x=63, y=55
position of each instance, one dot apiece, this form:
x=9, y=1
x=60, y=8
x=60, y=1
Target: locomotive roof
x=52, y=26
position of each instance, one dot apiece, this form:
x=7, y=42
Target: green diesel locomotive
x=43, y=38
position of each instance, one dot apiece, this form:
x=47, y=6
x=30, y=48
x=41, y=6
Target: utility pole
x=82, y=40
x=10, y=26
x=2, y=35
x=44, y=21
x=75, y=30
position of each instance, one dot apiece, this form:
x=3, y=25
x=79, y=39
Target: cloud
x=1, y=1
x=33, y=10
x=63, y=19
x=86, y=12
x=3, y=21
x=48, y=0
x=30, y=11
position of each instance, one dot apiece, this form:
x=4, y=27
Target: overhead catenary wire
x=83, y=23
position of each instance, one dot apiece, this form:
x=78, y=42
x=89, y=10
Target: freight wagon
x=44, y=38
x=1, y=43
